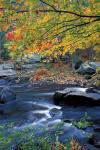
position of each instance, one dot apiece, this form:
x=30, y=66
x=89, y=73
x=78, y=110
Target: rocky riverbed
x=33, y=105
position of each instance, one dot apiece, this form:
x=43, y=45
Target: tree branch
x=59, y=23
x=47, y=4
x=54, y=10
x=75, y=26
x=69, y=12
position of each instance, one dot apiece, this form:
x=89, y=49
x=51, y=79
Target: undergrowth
x=27, y=140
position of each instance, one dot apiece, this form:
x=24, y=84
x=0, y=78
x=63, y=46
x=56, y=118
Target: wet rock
x=20, y=106
x=7, y=94
x=56, y=113
x=95, y=140
x=77, y=96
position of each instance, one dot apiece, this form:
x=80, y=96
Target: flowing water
x=47, y=114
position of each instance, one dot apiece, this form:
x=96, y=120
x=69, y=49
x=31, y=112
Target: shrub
x=83, y=122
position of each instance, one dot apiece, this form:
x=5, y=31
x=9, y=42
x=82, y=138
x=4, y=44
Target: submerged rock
x=55, y=113
x=20, y=106
x=77, y=96
x=7, y=94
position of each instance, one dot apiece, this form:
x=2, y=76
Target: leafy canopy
x=49, y=27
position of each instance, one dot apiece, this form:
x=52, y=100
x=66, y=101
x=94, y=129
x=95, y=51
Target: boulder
x=88, y=68
x=77, y=96
x=7, y=94
x=35, y=58
x=85, y=68
x=8, y=72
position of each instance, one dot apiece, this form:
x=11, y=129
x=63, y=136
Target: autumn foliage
x=10, y=36
x=49, y=26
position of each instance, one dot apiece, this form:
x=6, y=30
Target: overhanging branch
x=53, y=10
x=75, y=26
x=70, y=12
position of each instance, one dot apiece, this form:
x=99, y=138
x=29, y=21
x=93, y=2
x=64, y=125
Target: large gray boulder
x=88, y=68
x=77, y=96
x=85, y=68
